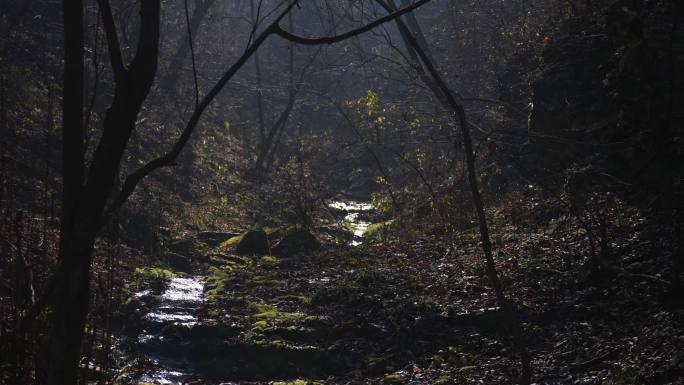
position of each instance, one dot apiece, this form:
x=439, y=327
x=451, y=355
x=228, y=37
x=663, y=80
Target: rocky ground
x=422, y=311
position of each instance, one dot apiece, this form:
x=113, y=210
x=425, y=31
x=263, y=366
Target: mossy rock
x=253, y=242
x=230, y=242
x=295, y=242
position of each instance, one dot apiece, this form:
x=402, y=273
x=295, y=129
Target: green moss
x=300, y=299
x=261, y=325
x=392, y=379
x=269, y=260
x=268, y=282
x=214, y=294
x=263, y=310
x=217, y=279
x=443, y=380
x=291, y=316
x=230, y=243
x=315, y=319
x=155, y=272
x=379, y=231
x=259, y=328
x=280, y=316
x=350, y=227
x=297, y=382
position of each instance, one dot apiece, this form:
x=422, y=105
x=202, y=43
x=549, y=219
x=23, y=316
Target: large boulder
x=298, y=241
x=253, y=242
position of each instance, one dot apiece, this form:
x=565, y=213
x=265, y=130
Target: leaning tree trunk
x=446, y=95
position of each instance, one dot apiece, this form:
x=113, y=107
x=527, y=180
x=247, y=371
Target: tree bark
x=70, y=310
x=71, y=297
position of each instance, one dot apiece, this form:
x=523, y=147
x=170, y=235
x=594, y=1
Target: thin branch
x=500, y=102
x=335, y=39
x=257, y=68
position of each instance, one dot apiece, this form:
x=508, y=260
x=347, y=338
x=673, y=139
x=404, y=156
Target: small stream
x=162, y=342
x=351, y=218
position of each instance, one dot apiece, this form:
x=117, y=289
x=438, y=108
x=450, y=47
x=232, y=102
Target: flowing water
x=161, y=342
x=351, y=218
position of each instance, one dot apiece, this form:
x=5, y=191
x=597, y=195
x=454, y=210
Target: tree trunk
x=71, y=297
x=83, y=210
x=71, y=308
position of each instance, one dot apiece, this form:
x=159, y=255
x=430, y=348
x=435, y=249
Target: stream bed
x=162, y=352
x=161, y=343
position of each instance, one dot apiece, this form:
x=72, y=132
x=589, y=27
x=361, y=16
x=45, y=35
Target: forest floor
x=422, y=312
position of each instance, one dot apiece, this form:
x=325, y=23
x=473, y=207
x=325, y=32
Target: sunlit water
x=179, y=300
x=176, y=307
x=353, y=209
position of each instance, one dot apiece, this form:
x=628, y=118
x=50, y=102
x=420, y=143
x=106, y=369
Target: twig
x=192, y=53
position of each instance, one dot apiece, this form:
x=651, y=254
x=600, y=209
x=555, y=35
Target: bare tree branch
x=169, y=159
x=192, y=52
x=335, y=39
